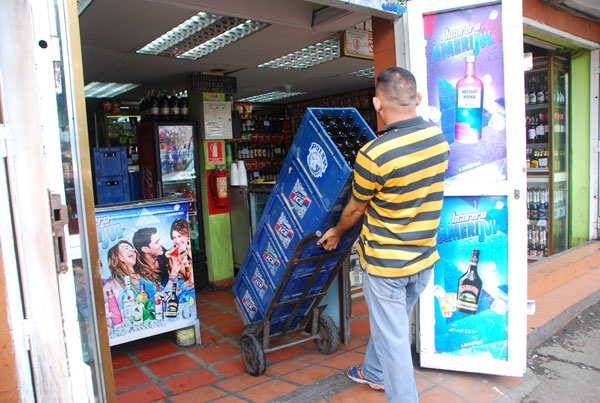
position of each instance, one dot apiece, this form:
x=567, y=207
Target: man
x=397, y=193
x=149, y=245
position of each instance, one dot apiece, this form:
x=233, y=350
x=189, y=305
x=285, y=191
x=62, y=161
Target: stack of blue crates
x=111, y=175
x=311, y=191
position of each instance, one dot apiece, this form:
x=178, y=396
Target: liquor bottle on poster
x=172, y=304
x=469, y=287
x=113, y=308
x=158, y=304
x=142, y=297
x=469, y=105
x=128, y=300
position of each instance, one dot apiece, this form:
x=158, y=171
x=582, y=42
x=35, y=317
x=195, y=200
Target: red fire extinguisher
x=218, y=186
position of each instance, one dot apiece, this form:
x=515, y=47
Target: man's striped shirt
x=401, y=176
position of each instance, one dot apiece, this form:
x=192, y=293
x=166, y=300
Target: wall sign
x=214, y=152
x=358, y=43
x=212, y=83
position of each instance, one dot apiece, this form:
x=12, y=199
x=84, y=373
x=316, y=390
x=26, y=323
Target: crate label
x=249, y=304
x=284, y=230
x=259, y=283
x=316, y=160
x=300, y=200
x=270, y=257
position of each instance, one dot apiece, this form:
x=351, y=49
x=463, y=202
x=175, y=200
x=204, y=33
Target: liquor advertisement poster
x=147, y=271
x=465, y=86
x=177, y=152
x=471, y=278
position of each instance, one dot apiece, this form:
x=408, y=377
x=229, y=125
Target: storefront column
x=217, y=230
x=384, y=51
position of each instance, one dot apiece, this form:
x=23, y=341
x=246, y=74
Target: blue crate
x=134, y=185
x=112, y=189
x=311, y=191
x=110, y=161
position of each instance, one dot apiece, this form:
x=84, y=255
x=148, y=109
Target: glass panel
x=73, y=198
x=177, y=152
x=560, y=152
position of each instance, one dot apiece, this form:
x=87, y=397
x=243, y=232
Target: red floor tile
x=120, y=360
x=241, y=381
x=286, y=353
x=422, y=383
x=228, y=303
x=360, y=308
x=231, y=368
x=217, y=318
x=206, y=309
x=314, y=356
x=359, y=328
x=128, y=378
x=215, y=295
x=218, y=352
x=355, y=342
x=155, y=350
x=285, y=367
x=208, y=337
x=148, y=393
x=475, y=388
x=229, y=399
x=202, y=394
x=171, y=366
x=268, y=391
x=344, y=360
x=507, y=381
x=190, y=381
x=434, y=375
x=438, y=395
x=233, y=329
x=308, y=375
x=360, y=394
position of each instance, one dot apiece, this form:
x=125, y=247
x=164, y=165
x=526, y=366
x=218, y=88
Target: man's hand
x=330, y=239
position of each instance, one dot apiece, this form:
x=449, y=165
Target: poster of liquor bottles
x=465, y=87
x=471, y=279
x=147, y=273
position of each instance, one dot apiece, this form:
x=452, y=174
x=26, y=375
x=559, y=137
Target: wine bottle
x=469, y=287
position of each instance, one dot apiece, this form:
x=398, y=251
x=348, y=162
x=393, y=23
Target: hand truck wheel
x=329, y=338
x=253, y=355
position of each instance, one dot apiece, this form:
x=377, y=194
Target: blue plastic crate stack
x=111, y=175
x=311, y=191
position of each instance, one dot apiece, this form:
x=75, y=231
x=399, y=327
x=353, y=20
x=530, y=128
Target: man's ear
x=419, y=98
x=144, y=249
x=377, y=104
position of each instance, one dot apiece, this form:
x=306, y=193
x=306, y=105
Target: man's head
x=396, y=95
x=147, y=242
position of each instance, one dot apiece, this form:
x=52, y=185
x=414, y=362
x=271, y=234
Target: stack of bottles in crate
x=311, y=191
x=111, y=175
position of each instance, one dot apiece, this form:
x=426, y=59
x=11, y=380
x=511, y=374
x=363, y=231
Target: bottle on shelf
x=174, y=113
x=163, y=104
x=184, y=109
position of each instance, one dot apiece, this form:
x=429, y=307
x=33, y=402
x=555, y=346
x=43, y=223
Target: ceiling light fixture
x=271, y=96
x=107, y=90
x=200, y=35
x=368, y=72
x=310, y=56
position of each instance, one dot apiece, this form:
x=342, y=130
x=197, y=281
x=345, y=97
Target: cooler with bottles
x=284, y=273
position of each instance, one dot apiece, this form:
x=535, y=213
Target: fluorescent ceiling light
x=200, y=35
x=107, y=90
x=368, y=72
x=308, y=57
x=270, y=96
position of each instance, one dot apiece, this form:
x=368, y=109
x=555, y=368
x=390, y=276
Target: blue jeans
x=388, y=359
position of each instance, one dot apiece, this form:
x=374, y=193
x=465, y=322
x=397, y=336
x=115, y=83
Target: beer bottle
x=469, y=287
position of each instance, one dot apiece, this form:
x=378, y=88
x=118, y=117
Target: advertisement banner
x=176, y=144
x=389, y=6
x=147, y=272
x=471, y=278
x=465, y=85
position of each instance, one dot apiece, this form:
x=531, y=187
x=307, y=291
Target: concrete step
x=562, y=286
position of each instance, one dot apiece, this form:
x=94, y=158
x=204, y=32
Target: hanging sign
x=358, y=43
x=212, y=83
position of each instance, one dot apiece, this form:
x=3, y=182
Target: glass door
x=559, y=76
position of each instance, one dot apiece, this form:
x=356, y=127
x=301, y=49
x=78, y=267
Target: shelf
x=537, y=145
x=536, y=107
x=538, y=170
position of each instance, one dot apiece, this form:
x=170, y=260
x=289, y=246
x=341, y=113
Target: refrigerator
x=168, y=161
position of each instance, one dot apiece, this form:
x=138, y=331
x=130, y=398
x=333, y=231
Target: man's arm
x=352, y=214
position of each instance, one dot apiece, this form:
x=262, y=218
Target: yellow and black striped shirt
x=401, y=176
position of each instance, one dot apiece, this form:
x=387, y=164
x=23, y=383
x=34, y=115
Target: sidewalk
x=156, y=369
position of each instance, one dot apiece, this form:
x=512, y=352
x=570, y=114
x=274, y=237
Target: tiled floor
x=156, y=369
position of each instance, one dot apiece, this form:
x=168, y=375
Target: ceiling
x=112, y=31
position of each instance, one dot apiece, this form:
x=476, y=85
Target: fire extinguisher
x=218, y=186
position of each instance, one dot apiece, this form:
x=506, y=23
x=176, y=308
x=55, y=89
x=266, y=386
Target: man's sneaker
x=355, y=373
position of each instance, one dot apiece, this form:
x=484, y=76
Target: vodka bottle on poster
x=158, y=304
x=469, y=287
x=113, y=308
x=128, y=300
x=469, y=105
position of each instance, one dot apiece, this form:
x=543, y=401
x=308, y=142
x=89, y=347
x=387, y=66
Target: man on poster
x=397, y=192
x=149, y=245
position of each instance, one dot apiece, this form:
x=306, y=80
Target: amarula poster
x=471, y=278
x=147, y=271
x=465, y=86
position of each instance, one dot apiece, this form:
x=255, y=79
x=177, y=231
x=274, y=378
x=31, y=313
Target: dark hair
x=119, y=270
x=180, y=226
x=143, y=237
x=397, y=85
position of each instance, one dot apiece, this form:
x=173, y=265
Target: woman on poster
x=180, y=255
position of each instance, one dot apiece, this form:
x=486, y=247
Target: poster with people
x=465, y=89
x=147, y=272
x=176, y=145
x=471, y=278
